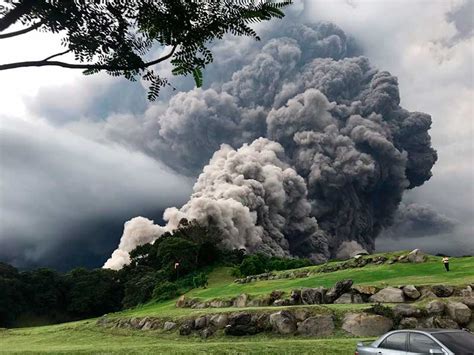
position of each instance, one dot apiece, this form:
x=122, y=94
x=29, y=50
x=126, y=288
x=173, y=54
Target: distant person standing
x=446, y=263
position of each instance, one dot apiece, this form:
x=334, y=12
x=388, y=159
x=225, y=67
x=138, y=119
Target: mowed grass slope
x=86, y=338
x=222, y=285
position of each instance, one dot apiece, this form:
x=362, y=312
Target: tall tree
x=119, y=37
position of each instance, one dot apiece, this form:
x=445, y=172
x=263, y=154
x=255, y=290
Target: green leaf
x=197, y=74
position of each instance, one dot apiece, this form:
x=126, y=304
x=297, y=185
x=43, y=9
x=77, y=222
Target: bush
x=259, y=263
x=165, y=291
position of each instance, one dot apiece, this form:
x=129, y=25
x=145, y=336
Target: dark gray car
x=422, y=341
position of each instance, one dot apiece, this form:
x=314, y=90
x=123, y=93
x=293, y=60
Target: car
x=421, y=341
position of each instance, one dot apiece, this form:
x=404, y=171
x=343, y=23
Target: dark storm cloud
x=64, y=197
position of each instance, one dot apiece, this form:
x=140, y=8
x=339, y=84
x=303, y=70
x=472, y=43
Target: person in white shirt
x=446, y=263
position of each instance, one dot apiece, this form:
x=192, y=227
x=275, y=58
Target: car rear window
x=460, y=343
x=395, y=341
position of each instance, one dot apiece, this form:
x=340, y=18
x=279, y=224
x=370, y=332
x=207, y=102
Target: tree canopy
x=121, y=37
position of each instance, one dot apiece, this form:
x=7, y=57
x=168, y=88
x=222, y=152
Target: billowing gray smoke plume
x=416, y=221
x=337, y=154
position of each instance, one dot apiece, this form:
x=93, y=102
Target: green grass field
x=85, y=337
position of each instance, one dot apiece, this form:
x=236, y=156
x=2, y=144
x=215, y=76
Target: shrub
x=165, y=291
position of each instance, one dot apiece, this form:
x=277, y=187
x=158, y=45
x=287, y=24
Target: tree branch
x=45, y=62
x=20, y=32
x=16, y=13
x=56, y=55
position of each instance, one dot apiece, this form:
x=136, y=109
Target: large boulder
x=295, y=297
x=459, y=312
x=241, y=301
x=337, y=290
x=467, y=292
x=206, y=332
x=283, y=322
x=411, y=292
x=241, y=324
x=281, y=303
x=301, y=314
x=262, y=322
x=220, y=303
x=367, y=325
x=442, y=290
x=416, y=256
x=200, y=322
x=468, y=301
x=276, y=295
x=168, y=326
x=426, y=293
x=349, y=298
x=435, y=308
x=388, y=295
x=317, y=326
x=408, y=323
x=219, y=320
x=186, y=328
x=259, y=302
x=184, y=302
x=365, y=290
x=312, y=295
x=444, y=323
x=406, y=310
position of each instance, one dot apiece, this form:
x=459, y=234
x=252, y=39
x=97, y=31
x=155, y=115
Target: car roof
x=430, y=330
x=438, y=330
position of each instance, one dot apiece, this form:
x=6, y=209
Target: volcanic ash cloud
x=337, y=152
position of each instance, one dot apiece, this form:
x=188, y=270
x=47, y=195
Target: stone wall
x=342, y=292
x=311, y=322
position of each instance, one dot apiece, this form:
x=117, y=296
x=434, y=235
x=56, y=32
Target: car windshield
x=461, y=343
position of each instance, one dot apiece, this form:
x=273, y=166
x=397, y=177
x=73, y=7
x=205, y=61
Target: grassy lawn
x=86, y=338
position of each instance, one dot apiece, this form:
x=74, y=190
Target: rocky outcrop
x=407, y=310
x=442, y=290
x=416, y=256
x=411, y=292
x=241, y=300
x=313, y=295
x=337, y=290
x=219, y=320
x=408, y=323
x=362, y=324
x=169, y=326
x=458, y=312
x=435, y=308
x=349, y=297
x=241, y=324
x=468, y=301
x=388, y=295
x=316, y=326
x=200, y=322
x=283, y=322
x=365, y=290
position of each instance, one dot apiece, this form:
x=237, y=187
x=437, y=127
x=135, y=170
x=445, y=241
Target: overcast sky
x=66, y=189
